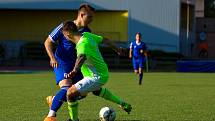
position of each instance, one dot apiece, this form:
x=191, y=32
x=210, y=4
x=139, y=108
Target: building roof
x=56, y=4
x=40, y=4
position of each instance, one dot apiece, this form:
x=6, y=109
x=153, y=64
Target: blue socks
x=59, y=98
x=140, y=78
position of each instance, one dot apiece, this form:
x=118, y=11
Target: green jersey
x=94, y=64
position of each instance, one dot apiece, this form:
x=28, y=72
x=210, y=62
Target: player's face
x=138, y=37
x=87, y=17
x=68, y=35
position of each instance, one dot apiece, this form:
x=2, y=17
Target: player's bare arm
x=130, y=53
x=108, y=42
x=49, y=49
x=79, y=62
x=145, y=53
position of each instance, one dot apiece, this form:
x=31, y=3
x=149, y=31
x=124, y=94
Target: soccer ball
x=107, y=114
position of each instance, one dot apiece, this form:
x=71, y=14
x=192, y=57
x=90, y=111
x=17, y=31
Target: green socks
x=106, y=94
x=73, y=110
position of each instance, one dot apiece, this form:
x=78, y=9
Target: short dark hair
x=85, y=7
x=139, y=34
x=70, y=26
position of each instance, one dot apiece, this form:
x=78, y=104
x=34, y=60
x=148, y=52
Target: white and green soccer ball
x=107, y=114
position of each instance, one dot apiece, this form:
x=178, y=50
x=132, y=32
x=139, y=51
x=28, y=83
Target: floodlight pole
x=188, y=18
x=188, y=21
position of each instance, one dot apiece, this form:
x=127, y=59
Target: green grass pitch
x=162, y=97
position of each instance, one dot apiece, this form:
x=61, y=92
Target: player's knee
x=140, y=72
x=97, y=92
x=136, y=72
x=64, y=83
x=71, y=94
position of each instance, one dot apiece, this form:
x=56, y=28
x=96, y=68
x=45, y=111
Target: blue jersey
x=65, y=54
x=65, y=51
x=136, y=48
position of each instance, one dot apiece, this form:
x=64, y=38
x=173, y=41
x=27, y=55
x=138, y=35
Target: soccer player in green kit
x=93, y=68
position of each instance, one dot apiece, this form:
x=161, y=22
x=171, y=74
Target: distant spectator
x=203, y=47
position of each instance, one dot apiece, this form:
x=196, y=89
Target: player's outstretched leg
x=50, y=119
x=73, y=110
x=71, y=107
x=108, y=95
x=72, y=100
x=49, y=100
x=127, y=107
x=56, y=103
x=140, y=78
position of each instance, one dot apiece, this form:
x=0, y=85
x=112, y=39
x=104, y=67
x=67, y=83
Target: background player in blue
x=63, y=59
x=137, y=53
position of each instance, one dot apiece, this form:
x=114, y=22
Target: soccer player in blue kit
x=138, y=53
x=63, y=59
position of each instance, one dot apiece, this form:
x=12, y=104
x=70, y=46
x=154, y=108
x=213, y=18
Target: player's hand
x=130, y=56
x=70, y=74
x=141, y=51
x=53, y=63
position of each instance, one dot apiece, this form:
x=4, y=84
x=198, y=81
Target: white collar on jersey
x=138, y=43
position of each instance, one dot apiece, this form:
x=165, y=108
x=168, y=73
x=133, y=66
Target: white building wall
x=157, y=20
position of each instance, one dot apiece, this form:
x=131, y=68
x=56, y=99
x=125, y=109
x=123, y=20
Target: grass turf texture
x=162, y=97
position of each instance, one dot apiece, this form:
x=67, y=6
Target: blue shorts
x=138, y=63
x=66, y=68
